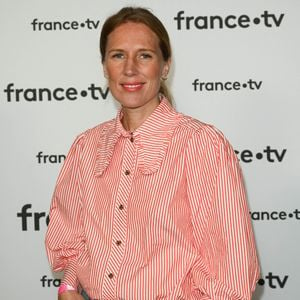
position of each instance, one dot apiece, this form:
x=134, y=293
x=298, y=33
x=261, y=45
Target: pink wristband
x=65, y=287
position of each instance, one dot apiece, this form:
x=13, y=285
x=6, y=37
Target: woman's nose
x=130, y=67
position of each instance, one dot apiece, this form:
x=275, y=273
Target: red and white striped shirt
x=157, y=214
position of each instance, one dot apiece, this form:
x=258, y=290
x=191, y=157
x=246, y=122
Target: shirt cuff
x=70, y=277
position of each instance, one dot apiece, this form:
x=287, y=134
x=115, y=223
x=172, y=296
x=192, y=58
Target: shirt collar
x=151, y=139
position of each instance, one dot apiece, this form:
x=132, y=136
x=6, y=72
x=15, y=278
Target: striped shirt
x=159, y=213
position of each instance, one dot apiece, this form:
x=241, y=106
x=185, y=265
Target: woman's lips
x=132, y=87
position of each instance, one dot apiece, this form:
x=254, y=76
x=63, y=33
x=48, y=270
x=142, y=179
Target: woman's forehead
x=132, y=32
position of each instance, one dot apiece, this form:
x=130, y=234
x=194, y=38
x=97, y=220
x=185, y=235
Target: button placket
x=120, y=220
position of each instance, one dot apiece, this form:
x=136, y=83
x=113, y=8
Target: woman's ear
x=104, y=70
x=166, y=69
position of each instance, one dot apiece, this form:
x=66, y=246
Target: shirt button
x=121, y=206
x=127, y=172
x=131, y=137
x=110, y=275
x=118, y=243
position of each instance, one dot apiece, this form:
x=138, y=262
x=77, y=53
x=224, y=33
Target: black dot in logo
x=244, y=85
x=256, y=21
x=291, y=215
x=83, y=93
x=82, y=25
x=259, y=156
x=261, y=282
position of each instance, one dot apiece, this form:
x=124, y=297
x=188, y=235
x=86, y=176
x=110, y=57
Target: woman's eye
x=145, y=55
x=118, y=55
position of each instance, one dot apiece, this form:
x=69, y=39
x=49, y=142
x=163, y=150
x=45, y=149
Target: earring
x=164, y=77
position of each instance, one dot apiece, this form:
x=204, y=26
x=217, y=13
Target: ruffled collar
x=151, y=139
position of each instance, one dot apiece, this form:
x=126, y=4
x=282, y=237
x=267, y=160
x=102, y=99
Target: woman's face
x=134, y=65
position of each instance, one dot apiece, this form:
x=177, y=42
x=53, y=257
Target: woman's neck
x=133, y=118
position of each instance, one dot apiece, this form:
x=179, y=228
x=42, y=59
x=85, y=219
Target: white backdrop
x=239, y=71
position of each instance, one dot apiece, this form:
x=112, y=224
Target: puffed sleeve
x=64, y=238
x=227, y=265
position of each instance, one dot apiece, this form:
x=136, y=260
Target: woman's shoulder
x=197, y=129
x=203, y=137
x=98, y=129
x=93, y=134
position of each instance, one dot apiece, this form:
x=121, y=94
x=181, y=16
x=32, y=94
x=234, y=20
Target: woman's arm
x=227, y=265
x=65, y=237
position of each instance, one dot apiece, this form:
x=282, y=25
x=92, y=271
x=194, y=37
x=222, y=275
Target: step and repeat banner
x=236, y=65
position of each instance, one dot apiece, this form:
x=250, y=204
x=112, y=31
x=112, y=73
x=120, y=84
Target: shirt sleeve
x=227, y=266
x=64, y=238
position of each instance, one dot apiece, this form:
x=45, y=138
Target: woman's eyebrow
x=116, y=50
x=122, y=50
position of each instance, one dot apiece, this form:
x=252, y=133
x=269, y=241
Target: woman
x=149, y=205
